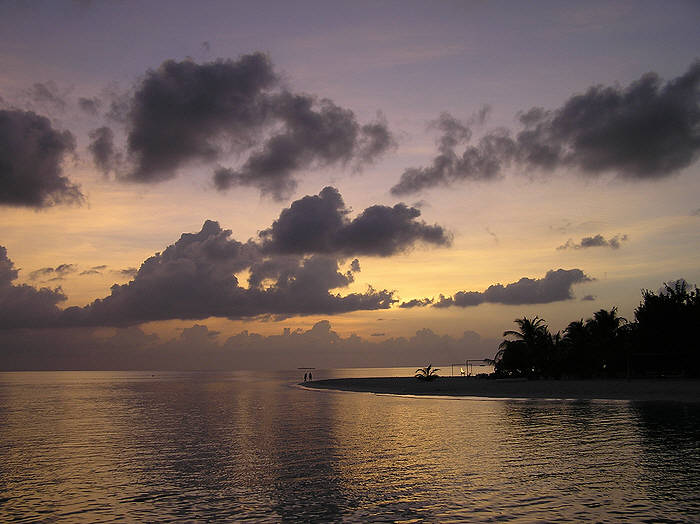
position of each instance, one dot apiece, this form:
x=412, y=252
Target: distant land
x=614, y=389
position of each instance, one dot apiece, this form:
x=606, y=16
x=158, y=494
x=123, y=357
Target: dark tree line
x=661, y=341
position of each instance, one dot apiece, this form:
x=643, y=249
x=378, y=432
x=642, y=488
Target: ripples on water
x=93, y=447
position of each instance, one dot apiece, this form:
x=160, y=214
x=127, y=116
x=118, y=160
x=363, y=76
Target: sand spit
x=636, y=389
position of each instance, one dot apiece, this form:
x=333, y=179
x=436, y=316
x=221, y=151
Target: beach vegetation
x=427, y=373
x=658, y=342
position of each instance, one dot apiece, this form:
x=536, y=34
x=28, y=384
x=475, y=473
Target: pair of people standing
x=309, y=375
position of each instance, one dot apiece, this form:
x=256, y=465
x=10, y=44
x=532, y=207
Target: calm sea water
x=98, y=447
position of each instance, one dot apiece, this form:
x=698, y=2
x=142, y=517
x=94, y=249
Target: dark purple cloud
x=94, y=270
x=416, y=302
x=31, y=153
x=296, y=267
x=647, y=130
x=194, y=279
x=180, y=111
x=320, y=224
x=184, y=112
x=555, y=286
x=484, y=161
x=128, y=272
x=90, y=106
x=314, y=134
x=23, y=306
x=47, y=94
x=595, y=241
x=52, y=273
x=102, y=149
x=130, y=348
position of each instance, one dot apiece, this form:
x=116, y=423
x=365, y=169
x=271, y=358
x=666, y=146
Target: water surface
x=105, y=446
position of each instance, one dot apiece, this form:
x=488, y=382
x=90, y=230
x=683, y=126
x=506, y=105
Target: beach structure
x=467, y=369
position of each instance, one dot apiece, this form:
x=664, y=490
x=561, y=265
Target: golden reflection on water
x=103, y=446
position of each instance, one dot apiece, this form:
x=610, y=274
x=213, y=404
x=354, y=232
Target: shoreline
x=679, y=390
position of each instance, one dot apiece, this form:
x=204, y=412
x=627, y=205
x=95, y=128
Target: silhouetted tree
x=660, y=341
x=576, y=346
x=427, y=373
x=530, y=354
x=606, y=345
x=666, y=324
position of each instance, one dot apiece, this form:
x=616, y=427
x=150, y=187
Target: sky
x=265, y=184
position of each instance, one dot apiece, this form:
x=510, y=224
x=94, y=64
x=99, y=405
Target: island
x=678, y=390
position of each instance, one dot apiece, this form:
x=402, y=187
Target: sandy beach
x=638, y=389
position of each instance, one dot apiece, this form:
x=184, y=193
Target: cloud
x=119, y=105
x=315, y=134
x=185, y=112
x=53, y=273
x=47, y=94
x=416, y=302
x=595, y=241
x=132, y=349
x=588, y=297
x=374, y=140
x=23, y=306
x=89, y=106
x=102, y=149
x=483, y=161
x=320, y=224
x=8, y=273
x=94, y=270
x=198, y=332
x=31, y=153
x=293, y=269
x=180, y=110
x=492, y=234
x=647, y=130
x=128, y=272
x=555, y=286
x=194, y=279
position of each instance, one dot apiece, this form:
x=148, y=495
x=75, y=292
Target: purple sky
x=513, y=159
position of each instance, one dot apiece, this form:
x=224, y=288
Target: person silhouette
x=310, y=377
x=305, y=376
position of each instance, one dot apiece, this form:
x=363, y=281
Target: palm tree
x=530, y=330
x=511, y=358
x=529, y=353
x=604, y=329
x=605, y=323
x=576, y=344
x=428, y=373
x=575, y=332
x=535, y=340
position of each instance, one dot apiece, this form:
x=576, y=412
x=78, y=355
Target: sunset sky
x=388, y=167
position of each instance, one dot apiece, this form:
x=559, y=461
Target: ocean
x=234, y=446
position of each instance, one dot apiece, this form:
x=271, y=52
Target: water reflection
x=230, y=446
x=202, y=446
x=670, y=453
